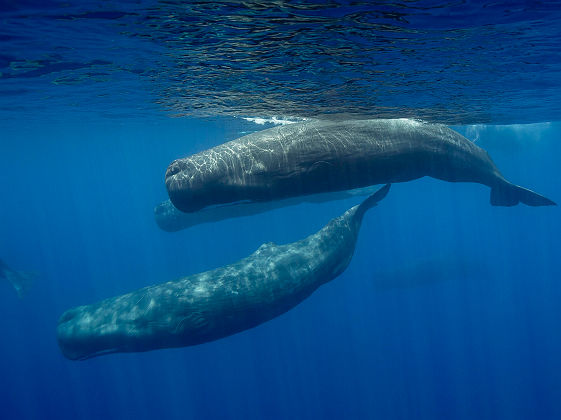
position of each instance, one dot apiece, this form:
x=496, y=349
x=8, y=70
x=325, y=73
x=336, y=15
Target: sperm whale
x=211, y=305
x=325, y=156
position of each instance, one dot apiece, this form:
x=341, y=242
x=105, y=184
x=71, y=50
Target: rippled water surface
x=456, y=62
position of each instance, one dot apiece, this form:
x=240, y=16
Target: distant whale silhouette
x=170, y=219
x=20, y=280
x=428, y=271
x=322, y=156
x=217, y=303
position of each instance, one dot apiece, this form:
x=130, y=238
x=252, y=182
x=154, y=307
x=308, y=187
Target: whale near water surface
x=316, y=157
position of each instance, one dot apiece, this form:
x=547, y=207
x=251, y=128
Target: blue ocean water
x=97, y=99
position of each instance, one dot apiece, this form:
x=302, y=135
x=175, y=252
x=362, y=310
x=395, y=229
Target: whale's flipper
x=508, y=194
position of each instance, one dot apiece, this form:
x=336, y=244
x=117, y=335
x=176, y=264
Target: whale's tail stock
x=507, y=194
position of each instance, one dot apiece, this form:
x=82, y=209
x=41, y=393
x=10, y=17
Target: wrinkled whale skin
x=217, y=303
x=322, y=156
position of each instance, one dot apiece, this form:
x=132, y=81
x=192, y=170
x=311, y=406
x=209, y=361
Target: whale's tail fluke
x=372, y=201
x=507, y=194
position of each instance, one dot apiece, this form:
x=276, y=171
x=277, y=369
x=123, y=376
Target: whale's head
x=192, y=187
x=81, y=335
x=130, y=322
x=109, y=326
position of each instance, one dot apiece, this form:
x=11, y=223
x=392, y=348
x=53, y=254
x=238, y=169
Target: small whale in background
x=324, y=156
x=428, y=271
x=170, y=219
x=21, y=281
x=217, y=303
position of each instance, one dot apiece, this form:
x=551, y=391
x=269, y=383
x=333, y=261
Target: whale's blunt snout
x=79, y=336
x=181, y=192
x=65, y=333
x=66, y=317
x=174, y=168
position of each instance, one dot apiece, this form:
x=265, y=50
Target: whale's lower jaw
x=83, y=345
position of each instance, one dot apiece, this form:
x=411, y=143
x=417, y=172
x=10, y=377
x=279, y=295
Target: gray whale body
x=217, y=303
x=325, y=156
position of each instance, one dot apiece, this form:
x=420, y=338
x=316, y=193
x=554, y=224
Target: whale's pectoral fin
x=509, y=194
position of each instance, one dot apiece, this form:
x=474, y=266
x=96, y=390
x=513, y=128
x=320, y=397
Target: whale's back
x=300, y=159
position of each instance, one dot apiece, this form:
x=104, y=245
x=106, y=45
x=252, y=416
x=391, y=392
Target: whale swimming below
x=324, y=156
x=170, y=219
x=211, y=305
